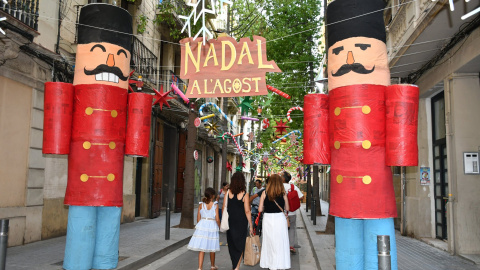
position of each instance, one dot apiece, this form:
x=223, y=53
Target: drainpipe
x=452, y=186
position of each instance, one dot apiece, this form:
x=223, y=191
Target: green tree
x=292, y=30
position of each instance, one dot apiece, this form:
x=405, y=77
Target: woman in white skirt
x=275, y=244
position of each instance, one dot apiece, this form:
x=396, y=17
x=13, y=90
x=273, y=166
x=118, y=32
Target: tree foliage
x=292, y=30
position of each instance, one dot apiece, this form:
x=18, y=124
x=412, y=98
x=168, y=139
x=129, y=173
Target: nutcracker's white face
x=358, y=60
x=102, y=63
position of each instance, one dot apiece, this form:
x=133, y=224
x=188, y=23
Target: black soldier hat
x=355, y=18
x=105, y=23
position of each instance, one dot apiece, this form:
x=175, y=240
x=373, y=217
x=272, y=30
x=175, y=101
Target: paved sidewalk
x=141, y=242
x=412, y=254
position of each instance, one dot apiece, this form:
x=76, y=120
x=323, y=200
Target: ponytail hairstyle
x=209, y=195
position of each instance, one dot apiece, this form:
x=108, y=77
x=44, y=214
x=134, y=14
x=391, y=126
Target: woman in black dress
x=238, y=218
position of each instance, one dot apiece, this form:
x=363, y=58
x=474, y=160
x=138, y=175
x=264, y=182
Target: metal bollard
x=3, y=242
x=383, y=246
x=167, y=223
x=314, y=212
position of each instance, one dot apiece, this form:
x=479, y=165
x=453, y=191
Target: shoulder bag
x=224, y=223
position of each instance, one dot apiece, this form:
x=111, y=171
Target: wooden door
x=157, y=169
x=182, y=151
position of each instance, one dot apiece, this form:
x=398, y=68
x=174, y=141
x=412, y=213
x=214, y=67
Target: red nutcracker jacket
x=99, y=136
x=360, y=116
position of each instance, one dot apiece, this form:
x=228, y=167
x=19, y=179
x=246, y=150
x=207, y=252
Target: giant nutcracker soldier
x=363, y=126
x=88, y=121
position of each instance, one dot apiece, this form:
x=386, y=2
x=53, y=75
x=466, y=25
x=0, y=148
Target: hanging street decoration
x=195, y=155
x=225, y=67
x=293, y=137
x=202, y=13
x=235, y=141
x=288, y=134
x=259, y=145
x=200, y=110
x=197, y=122
x=229, y=166
x=207, y=116
x=222, y=138
x=265, y=123
x=251, y=137
x=246, y=105
x=275, y=90
x=161, y=98
x=292, y=109
x=281, y=127
x=209, y=159
x=180, y=93
x=212, y=128
x=249, y=118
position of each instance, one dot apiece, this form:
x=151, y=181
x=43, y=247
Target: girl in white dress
x=205, y=238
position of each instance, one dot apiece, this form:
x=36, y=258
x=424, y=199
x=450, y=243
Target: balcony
x=144, y=61
x=25, y=11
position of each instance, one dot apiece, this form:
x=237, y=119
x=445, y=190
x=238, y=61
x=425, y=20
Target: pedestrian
x=292, y=232
x=205, y=238
x=238, y=218
x=221, y=196
x=255, y=201
x=275, y=243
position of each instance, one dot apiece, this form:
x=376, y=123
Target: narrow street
x=187, y=259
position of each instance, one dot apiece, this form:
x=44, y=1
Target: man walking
x=292, y=232
x=256, y=201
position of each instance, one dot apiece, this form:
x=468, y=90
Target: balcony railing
x=144, y=61
x=167, y=77
x=25, y=11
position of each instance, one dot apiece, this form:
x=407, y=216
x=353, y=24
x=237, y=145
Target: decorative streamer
x=275, y=90
x=249, y=118
x=292, y=109
x=236, y=144
x=284, y=160
x=180, y=93
x=283, y=152
x=286, y=135
x=218, y=109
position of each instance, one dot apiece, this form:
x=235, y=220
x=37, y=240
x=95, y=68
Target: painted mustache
x=355, y=67
x=104, y=68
